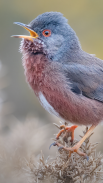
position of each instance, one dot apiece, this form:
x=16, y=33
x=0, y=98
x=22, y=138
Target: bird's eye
x=46, y=33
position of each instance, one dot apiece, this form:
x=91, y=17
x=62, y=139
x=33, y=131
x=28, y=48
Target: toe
x=87, y=158
x=53, y=144
x=59, y=148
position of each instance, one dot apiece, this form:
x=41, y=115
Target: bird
x=67, y=80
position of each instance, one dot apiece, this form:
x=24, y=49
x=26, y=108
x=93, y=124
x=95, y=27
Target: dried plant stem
x=74, y=169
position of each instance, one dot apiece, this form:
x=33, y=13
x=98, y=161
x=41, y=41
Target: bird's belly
x=81, y=110
x=46, y=105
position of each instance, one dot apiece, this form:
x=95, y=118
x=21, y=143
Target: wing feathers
x=86, y=80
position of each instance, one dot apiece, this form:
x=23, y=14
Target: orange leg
x=69, y=129
x=77, y=146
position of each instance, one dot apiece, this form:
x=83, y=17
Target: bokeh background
x=25, y=127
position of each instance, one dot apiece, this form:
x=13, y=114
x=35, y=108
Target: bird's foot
x=70, y=149
x=76, y=147
x=68, y=130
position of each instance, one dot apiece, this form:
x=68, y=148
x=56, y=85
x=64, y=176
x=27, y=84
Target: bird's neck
x=67, y=51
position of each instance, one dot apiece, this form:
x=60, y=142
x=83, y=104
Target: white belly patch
x=46, y=105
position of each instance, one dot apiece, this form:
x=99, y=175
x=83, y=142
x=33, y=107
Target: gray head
x=54, y=36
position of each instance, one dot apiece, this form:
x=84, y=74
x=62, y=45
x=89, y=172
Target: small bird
x=67, y=81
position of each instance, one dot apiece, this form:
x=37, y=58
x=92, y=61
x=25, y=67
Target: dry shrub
x=17, y=146
x=65, y=169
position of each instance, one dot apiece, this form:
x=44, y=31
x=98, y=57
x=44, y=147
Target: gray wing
x=86, y=80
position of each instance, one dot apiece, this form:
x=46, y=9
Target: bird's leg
x=72, y=128
x=88, y=133
x=77, y=146
x=69, y=129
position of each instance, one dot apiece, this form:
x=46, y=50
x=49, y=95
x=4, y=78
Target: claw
x=59, y=148
x=87, y=158
x=53, y=144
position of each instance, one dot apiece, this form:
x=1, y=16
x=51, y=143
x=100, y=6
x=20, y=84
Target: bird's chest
x=34, y=71
x=41, y=78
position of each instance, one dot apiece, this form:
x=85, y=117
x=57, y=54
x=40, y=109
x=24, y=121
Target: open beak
x=33, y=34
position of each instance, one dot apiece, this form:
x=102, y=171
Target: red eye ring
x=46, y=32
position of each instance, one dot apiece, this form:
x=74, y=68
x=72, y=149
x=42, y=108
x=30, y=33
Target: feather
x=86, y=80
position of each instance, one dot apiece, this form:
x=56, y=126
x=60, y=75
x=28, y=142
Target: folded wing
x=85, y=80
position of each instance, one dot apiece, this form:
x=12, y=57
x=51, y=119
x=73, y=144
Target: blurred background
x=25, y=127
